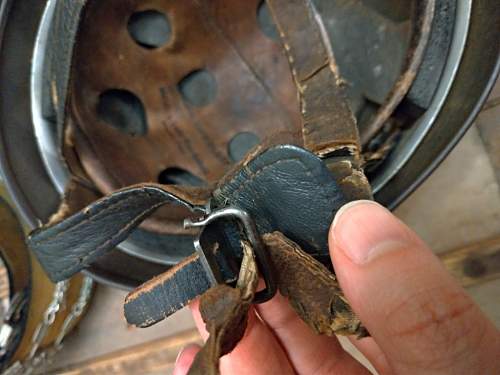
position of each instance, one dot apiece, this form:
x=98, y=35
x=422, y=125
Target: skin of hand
x=421, y=321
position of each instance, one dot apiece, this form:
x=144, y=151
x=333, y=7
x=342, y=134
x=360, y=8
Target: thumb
x=419, y=316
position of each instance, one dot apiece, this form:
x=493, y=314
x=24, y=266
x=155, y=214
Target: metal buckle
x=262, y=257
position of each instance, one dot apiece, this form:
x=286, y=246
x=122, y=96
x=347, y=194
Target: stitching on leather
x=132, y=194
x=99, y=247
x=253, y=175
x=82, y=259
x=85, y=220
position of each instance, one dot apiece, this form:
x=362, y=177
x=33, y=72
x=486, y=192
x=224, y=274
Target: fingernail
x=365, y=230
x=179, y=355
x=185, y=350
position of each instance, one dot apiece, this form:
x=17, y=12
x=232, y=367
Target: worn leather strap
x=65, y=23
x=321, y=304
x=72, y=244
x=224, y=311
x=328, y=124
x=285, y=188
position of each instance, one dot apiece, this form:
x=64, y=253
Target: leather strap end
x=72, y=244
x=167, y=293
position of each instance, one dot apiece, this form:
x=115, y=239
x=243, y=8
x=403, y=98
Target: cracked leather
x=65, y=24
x=321, y=304
x=275, y=188
x=224, y=310
x=316, y=75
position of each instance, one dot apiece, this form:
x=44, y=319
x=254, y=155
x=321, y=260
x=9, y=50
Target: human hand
x=420, y=319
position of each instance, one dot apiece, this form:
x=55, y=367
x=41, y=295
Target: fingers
x=419, y=316
x=371, y=350
x=309, y=353
x=258, y=352
x=185, y=359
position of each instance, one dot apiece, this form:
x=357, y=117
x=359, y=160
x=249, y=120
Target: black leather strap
x=183, y=283
x=327, y=120
x=69, y=246
x=64, y=28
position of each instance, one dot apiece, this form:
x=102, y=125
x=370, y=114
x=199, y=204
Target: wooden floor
x=458, y=205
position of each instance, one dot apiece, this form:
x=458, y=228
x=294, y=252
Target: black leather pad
x=290, y=190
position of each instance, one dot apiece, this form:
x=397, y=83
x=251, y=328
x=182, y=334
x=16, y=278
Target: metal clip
x=262, y=257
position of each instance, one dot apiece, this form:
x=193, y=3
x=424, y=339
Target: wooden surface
x=474, y=264
x=154, y=357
